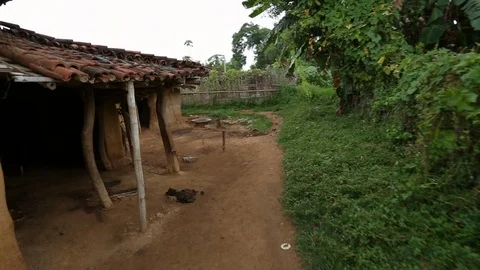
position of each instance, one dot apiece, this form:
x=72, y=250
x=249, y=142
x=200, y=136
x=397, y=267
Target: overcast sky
x=160, y=27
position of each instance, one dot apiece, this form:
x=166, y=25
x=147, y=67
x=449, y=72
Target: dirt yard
x=236, y=224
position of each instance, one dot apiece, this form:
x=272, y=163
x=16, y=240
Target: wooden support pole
x=137, y=159
x=87, y=145
x=173, y=165
x=223, y=140
x=10, y=255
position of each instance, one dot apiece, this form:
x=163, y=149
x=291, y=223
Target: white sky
x=160, y=27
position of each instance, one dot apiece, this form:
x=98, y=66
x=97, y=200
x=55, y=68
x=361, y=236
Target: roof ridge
x=67, y=60
x=119, y=53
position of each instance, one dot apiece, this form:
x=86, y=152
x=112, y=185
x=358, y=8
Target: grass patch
x=256, y=121
x=357, y=202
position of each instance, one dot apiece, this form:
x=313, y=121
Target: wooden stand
x=87, y=145
x=137, y=159
x=173, y=165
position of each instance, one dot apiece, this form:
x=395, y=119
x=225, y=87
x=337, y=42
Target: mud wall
x=174, y=108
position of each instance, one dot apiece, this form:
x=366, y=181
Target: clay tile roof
x=67, y=60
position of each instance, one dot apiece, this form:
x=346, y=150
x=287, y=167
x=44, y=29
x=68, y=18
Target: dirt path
x=238, y=224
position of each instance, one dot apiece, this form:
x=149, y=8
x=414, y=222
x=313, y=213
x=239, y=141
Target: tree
x=217, y=62
x=252, y=37
x=189, y=44
x=362, y=42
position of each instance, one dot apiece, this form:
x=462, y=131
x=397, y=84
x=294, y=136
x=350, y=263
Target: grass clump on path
x=357, y=202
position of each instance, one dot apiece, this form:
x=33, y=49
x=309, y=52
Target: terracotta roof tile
x=68, y=60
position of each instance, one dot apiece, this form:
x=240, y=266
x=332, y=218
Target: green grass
x=357, y=203
x=256, y=121
x=356, y=200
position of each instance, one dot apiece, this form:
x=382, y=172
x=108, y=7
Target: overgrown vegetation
x=358, y=198
x=357, y=201
x=392, y=178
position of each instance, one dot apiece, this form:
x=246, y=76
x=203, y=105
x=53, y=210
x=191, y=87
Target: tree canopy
x=252, y=37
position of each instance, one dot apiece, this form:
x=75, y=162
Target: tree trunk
x=10, y=255
x=172, y=159
x=87, y=145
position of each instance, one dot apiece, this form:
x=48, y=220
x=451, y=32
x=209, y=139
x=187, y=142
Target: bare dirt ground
x=236, y=224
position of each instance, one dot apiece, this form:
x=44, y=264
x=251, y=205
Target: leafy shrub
x=313, y=75
x=436, y=104
x=357, y=203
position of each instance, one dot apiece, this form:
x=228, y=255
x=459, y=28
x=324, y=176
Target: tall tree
x=252, y=37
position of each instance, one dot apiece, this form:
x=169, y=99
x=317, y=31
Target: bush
x=357, y=203
x=313, y=75
x=436, y=106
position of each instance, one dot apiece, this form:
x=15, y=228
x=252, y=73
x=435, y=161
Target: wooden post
x=101, y=140
x=137, y=159
x=172, y=159
x=10, y=255
x=223, y=140
x=87, y=145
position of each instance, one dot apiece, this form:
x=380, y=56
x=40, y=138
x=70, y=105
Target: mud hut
x=64, y=102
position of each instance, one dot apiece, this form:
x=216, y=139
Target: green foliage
x=312, y=75
x=216, y=62
x=436, y=102
x=441, y=15
x=357, y=203
x=252, y=36
x=358, y=200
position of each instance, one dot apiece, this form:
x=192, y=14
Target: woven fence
x=211, y=97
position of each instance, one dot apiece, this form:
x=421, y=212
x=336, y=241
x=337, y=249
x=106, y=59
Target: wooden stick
x=101, y=140
x=137, y=158
x=172, y=158
x=223, y=140
x=87, y=145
